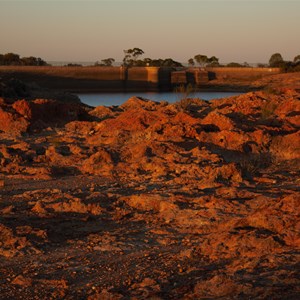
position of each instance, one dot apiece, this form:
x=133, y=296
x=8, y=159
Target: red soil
x=193, y=200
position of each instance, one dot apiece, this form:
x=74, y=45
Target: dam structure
x=134, y=79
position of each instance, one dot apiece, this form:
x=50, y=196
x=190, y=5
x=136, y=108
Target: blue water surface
x=109, y=99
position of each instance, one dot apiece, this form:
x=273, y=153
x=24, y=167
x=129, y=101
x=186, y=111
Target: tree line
x=12, y=59
x=277, y=61
x=132, y=58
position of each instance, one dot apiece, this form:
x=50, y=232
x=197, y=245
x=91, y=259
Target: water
x=109, y=99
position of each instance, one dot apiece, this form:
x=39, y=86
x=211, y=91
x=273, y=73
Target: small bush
x=184, y=101
x=184, y=91
x=184, y=104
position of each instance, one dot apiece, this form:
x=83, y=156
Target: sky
x=91, y=30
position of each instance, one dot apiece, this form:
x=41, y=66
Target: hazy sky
x=90, y=30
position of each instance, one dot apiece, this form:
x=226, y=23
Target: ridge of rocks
x=188, y=200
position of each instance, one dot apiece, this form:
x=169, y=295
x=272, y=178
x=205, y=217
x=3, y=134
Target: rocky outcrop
x=22, y=116
x=14, y=89
x=152, y=200
x=12, y=123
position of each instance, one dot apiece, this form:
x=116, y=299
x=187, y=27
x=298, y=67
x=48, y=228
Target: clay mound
x=49, y=111
x=99, y=163
x=220, y=121
x=133, y=120
x=24, y=115
x=102, y=112
x=138, y=102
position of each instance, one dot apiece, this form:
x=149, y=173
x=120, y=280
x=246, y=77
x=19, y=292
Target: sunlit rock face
x=188, y=200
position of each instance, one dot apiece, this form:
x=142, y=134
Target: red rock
x=99, y=163
x=138, y=103
x=132, y=120
x=24, y=108
x=22, y=281
x=286, y=147
x=154, y=197
x=218, y=286
x=219, y=120
x=12, y=123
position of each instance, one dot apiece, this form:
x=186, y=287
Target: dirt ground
x=193, y=200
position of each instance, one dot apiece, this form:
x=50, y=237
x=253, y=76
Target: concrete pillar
x=152, y=74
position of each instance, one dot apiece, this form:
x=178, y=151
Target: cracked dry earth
x=193, y=200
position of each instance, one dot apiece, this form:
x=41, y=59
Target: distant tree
x=276, y=60
x=147, y=62
x=73, y=65
x=108, y=61
x=157, y=62
x=213, y=62
x=287, y=66
x=245, y=64
x=260, y=65
x=154, y=62
x=191, y=62
x=32, y=61
x=41, y=62
x=169, y=62
x=11, y=59
x=297, y=59
x=234, y=65
x=131, y=56
x=29, y=61
x=202, y=60
x=140, y=63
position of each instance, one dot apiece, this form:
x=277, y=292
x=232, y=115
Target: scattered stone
x=150, y=200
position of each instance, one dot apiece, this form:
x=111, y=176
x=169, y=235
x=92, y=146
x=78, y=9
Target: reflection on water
x=119, y=98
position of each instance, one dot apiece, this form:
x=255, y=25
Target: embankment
x=92, y=79
x=238, y=79
x=119, y=79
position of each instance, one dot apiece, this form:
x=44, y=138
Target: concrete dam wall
x=93, y=79
x=135, y=79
